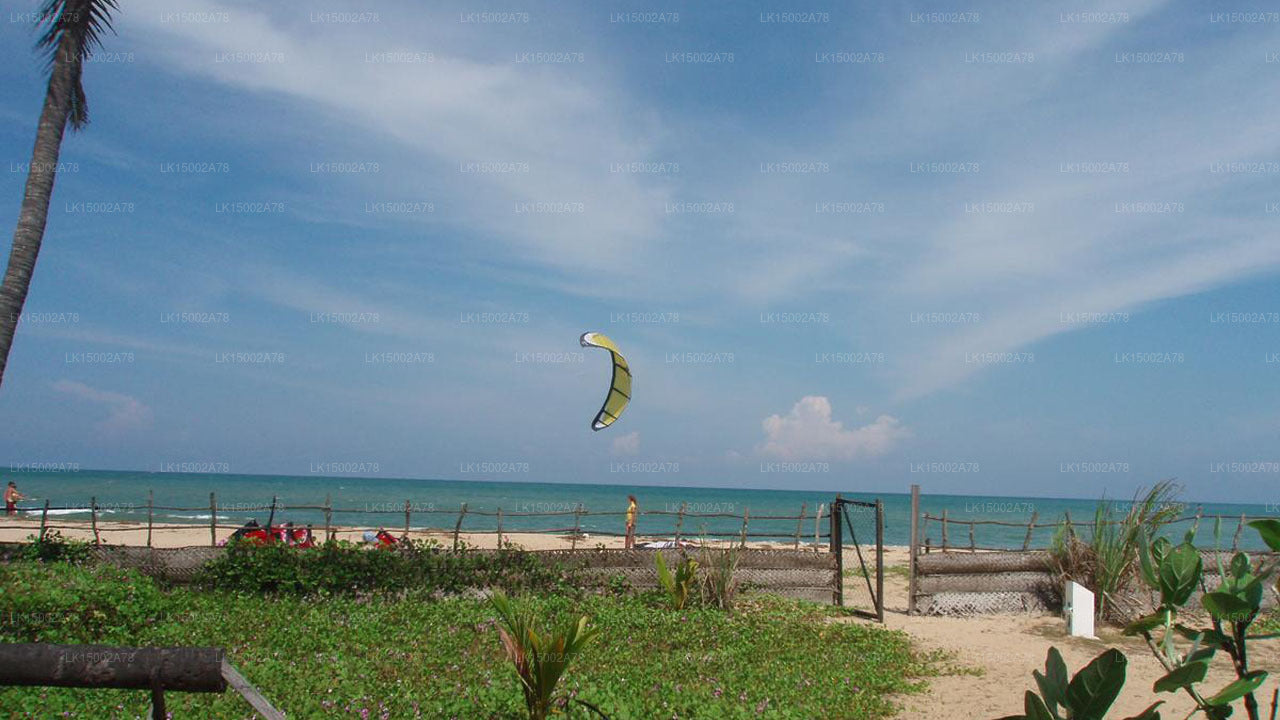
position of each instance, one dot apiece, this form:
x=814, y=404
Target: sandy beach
x=19, y=528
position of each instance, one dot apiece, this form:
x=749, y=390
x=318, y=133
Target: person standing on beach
x=11, y=498
x=630, y=542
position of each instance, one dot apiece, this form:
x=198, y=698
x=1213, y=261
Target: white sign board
x=1077, y=606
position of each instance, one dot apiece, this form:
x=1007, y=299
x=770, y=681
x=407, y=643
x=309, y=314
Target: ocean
x=122, y=496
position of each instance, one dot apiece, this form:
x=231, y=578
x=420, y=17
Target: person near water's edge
x=631, y=523
x=11, y=498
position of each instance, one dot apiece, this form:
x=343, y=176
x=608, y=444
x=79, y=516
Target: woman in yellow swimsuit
x=631, y=522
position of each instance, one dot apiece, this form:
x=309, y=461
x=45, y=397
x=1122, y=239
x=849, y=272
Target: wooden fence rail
x=946, y=522
x=184, y=669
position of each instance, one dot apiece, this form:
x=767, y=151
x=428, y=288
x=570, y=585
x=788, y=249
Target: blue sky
x=987, y=249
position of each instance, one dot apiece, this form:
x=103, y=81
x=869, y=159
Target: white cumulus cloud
x=124, y=412
x=628, y=444
x=809, y=433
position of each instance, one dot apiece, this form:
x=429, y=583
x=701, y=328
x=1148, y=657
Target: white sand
x=166, y=535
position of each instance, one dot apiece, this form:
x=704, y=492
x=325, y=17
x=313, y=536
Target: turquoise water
x=122, y=495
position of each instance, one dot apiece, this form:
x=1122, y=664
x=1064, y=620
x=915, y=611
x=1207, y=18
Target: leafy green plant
x=678, y=586
x=1175, y=572
x=719, y=580
x=540, y=659
x=618, y=585
x=1106, y=560
x=1087, y=695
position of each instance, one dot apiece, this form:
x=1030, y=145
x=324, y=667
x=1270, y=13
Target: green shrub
x=343, y=567
x=55, y=548
x=58, y=602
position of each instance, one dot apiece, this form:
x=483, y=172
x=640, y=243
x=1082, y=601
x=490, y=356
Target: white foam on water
x=69, y=511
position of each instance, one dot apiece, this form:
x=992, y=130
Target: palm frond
x=540, y=660
x=72, y=30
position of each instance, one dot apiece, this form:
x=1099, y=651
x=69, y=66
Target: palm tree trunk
x=35, y=200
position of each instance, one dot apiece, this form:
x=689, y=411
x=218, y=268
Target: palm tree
x=72, y=29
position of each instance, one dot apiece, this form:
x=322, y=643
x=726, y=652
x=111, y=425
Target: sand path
x=1004, y=649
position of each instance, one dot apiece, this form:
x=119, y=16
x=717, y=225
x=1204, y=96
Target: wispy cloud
x=125, y=413
x=457, y=104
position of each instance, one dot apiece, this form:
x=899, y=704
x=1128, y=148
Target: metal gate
x=858, y=525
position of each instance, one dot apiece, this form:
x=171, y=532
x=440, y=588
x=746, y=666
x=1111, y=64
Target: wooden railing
x=183, y=669
x=1066, y=521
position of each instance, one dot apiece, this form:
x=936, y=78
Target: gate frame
x=839, y=521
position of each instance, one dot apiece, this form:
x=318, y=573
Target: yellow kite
x=620, y=387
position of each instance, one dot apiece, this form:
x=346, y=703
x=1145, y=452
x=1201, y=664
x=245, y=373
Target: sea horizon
x=490, y=479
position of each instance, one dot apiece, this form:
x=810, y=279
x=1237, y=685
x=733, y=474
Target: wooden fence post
x=817, y=526
x=151, y=502
x=944, y=530
x=44, y=519
x=328, y=518
x=1031, y=526
x=680, y=522
x=158, y=711
x=1235, y=541
x=271, y=518
x=577, y=527
x=745, y=513
x=973, y=546
x=407, y=511
x=914, y=550
x=93, y=519
x=837, y=547
x=799, y=522
x=458, y=528
x=1071, y=529
x=213, y=520
x=499, y=528
x=879, y=560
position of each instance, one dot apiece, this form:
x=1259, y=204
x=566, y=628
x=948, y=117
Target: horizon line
x=580, y=482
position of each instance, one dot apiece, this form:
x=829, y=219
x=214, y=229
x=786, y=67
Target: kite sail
x=620, y=387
